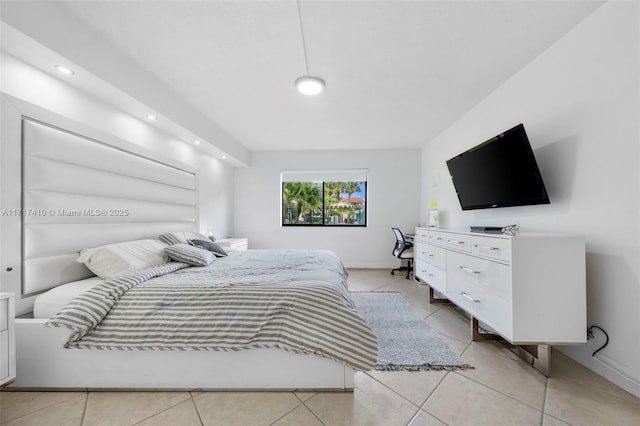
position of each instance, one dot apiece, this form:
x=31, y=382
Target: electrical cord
x=590, y=334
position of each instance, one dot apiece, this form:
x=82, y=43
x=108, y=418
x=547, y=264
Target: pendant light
x=307, y=84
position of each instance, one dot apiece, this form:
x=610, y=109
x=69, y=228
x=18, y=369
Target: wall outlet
x=434, y=182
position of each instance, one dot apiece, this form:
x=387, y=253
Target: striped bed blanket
x=293, y=300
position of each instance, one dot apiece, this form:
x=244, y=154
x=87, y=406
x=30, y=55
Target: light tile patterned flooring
x=501, y=390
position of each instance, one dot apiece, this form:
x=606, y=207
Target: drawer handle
x=469, y=270
x=469, y=297
x=428, y=254
x=435, y=238
x=430, y=275
x=484, y=247
x=456, y=242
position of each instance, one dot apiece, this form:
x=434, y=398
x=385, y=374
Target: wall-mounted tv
x=501, y=172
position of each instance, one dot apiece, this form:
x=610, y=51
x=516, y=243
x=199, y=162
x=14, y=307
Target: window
x=324, y=198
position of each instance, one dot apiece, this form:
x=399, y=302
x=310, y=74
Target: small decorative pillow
x=210, y=246
x=189, y=254
x=182, y=237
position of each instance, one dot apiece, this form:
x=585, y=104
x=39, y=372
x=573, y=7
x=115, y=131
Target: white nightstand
x=231, y=244
x=7, y=338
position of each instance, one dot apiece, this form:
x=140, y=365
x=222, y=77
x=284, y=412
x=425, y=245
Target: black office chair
x=403, y=250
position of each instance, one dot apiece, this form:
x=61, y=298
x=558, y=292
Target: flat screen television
x=501, y=172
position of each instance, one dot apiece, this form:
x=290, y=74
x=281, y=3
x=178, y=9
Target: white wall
x=579, y=102
x=215, y=178
x=392, y=198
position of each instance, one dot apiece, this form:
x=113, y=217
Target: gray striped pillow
x=182, y=237
x=189, y=254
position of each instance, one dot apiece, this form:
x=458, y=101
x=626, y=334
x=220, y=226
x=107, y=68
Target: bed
x=275, y=305
x=76, y=174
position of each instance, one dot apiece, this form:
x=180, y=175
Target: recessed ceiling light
x=197, y=142
x=152, y=117
x=64, y=70
x=309, y=85
x=224, y=157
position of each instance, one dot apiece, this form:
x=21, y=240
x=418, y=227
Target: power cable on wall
x=590, y=335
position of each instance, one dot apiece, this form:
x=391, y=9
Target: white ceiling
x=397, y=72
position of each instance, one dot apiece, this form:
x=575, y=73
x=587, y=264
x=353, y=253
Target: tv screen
x=500, y=172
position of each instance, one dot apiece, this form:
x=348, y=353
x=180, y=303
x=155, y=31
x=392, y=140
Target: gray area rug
x=405, y=341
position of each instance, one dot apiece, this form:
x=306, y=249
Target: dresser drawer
x=231, y=244
x=487, y=307
x=421, y=233
x=435, y=237
x=484, y=275
x=431, y=254
x=238, y=245
x=435, y=277
x=494, y=248
x=7, y=339
x=458, y=242
x=4, y=314
x=4, y=355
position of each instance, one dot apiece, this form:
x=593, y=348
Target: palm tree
x=350, y=188
x=331, y=192
x=302, y=196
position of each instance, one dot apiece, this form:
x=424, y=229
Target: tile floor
x=501, y=390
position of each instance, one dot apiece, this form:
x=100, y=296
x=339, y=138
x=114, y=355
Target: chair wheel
x=392, y=273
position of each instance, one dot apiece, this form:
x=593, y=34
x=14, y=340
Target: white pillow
x=114, y=260
x=51, y=302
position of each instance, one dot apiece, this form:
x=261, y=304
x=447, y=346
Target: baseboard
x=599, y=367
x=370, y=265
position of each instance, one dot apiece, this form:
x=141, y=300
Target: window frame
x=323, y=182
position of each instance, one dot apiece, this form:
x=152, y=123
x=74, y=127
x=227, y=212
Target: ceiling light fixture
x=224, y=157
x=64, y=70
x=152, y=117
x=197, y=142
x=307, y=84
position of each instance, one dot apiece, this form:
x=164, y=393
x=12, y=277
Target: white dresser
x=530, y=288
x=230, y=244
x=7, y=338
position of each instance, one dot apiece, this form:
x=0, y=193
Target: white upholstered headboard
x=79, y=191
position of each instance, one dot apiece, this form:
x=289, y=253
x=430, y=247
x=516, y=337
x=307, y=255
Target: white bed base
x=45, y=364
